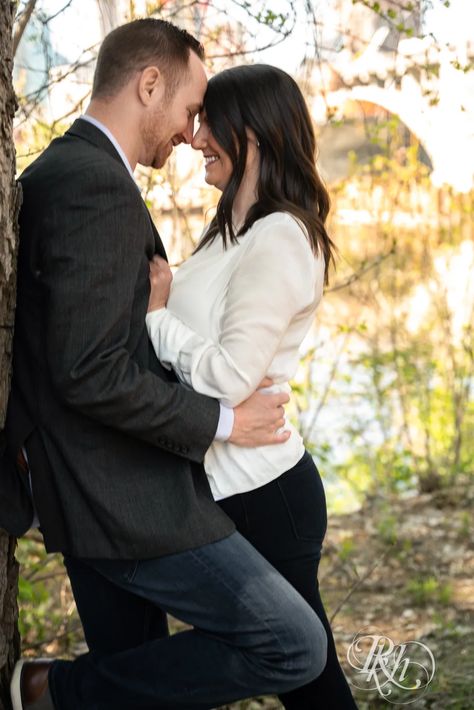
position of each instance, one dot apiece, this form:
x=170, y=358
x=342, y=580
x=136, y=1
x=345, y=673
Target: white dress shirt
x=233, y=317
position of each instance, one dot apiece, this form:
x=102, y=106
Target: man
x=114, y=444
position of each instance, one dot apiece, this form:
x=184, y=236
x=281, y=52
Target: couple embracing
x=145, y=430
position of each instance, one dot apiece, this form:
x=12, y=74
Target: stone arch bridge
x=431, y=90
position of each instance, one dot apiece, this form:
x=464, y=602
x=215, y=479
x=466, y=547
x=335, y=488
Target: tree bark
x=9, y=206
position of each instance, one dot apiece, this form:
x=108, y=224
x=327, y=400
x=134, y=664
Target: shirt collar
x=111, y=138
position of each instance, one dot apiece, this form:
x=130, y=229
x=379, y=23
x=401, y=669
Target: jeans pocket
x=303, y=494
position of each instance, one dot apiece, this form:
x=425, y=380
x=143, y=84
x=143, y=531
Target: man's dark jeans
x=253, y=633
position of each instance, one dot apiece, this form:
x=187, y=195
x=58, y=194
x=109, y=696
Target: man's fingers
x=159, y=265
x=281, y=437
x=160, y=272
x=260, y=420
x=154, y=269
x=278, y=399
x=159, y=260
x=266, y=382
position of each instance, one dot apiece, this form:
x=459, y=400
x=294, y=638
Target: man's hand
x=257, y=420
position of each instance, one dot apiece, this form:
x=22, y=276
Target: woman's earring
x=258, y=143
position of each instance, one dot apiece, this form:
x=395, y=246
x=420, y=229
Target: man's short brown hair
x=138, y=44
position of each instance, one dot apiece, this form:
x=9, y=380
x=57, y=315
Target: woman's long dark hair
x=268, y=101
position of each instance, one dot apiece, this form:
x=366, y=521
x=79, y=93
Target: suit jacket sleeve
x=94, y=266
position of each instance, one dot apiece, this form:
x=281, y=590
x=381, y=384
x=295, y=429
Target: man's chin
x=160, y=160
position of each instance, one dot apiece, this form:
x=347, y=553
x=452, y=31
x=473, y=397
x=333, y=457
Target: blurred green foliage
x=399, y=329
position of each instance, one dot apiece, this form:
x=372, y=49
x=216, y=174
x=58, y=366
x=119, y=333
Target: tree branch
x=360, y=581
x=21, y=24
x=363, y=270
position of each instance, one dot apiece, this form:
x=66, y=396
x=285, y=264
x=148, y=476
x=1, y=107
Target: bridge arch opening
x=364, y=129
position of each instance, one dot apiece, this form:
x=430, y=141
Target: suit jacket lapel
x=87, y=131
x=159, y=247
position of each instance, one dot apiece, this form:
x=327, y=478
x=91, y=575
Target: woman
x=239, y=310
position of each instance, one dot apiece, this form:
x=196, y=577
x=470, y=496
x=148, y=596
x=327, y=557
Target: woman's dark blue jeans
x=285, y=520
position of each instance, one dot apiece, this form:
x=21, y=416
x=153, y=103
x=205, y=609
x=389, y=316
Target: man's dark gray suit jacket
x=115, y=444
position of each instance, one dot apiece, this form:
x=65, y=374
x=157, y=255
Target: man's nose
x=188, y=134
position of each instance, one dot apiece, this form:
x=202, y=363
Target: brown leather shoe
x=29, y=688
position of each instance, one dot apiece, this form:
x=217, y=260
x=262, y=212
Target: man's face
x=172, y=121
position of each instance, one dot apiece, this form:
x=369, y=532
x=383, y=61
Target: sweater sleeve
x=274, y=280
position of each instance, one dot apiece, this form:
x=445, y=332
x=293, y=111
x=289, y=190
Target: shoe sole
x=15, y=685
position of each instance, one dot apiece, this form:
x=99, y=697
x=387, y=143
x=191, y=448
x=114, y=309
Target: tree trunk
x=9, y=204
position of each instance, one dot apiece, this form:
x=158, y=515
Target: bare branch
x=359, y=582
x=363, y=270
x=309, y=428
x=243, y=52
x=56, y=14
x=23, y=20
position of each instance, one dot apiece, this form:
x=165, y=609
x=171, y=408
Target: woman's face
x=218, y=165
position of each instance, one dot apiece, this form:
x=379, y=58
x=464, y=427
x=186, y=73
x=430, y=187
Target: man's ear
x=151, y=85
